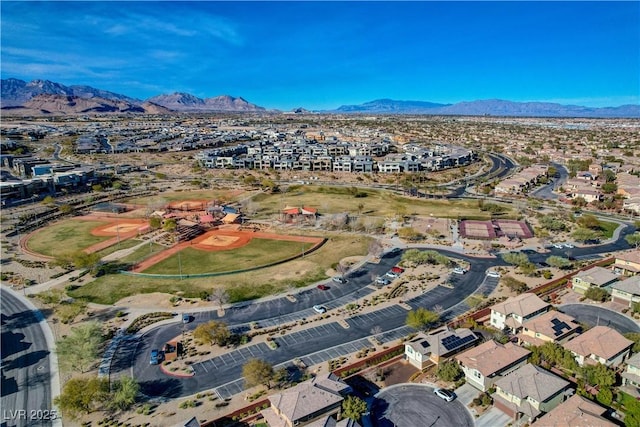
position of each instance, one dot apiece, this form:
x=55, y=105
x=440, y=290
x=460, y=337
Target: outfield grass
x=65, y=237
x=256, y=253
x=124, y=244
x=241, y=287
x=378, y=203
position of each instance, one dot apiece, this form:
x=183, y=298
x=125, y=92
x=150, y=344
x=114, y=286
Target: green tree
x=514, y=284
x=449, y=371
x=97, y=188
x=596, y=294
x=515, y=258
x=589, y=221
x=584, y=234
x=257, y=372
x=49, y=200
x=170, y=225
x=65, y=209
x=353, y=407
x=421, y=318
x=155, y=222
x=81, y=347
x=635, y=337
x=559, y=262
x=212, y=332
x=123, y=393
x=82, y=396
x=633, y=239
x=609, y=187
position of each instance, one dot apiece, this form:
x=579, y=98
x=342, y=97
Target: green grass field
x=241, y=287
x=65, y=237
x=256, y=253
x=378, y=203
x=607, y=228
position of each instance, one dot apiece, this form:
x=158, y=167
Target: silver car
x=444, y=394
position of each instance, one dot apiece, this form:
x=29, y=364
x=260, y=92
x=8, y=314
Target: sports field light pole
x=115, y=209
x=179, y=256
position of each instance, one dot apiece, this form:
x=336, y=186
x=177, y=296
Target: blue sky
x=321, y=55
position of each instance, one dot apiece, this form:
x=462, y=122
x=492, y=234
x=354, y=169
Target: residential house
x=627, y=263
x=575, y=412
x=308, y=401
x=513, y=312
x=528, y=392
x=600, y=344
x=485, y=364
x=626, y=292
x=631, y=375
x=598, y=277
x=552, y=326
x=425, y=350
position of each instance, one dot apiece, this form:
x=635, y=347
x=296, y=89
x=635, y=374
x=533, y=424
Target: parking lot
x=310, y=334
x=234, y=358
x=377, y=318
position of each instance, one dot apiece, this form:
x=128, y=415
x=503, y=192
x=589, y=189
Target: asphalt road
x=414, y=405
x=26, y=376
x=546, y=191
x=593, y=315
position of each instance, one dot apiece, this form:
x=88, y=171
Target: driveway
x=415, y=405
x=493, y=418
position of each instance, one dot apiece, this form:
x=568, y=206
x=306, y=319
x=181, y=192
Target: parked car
x=569, y=245
x=156, y=357
x=186, y=318
x=382, y=281
x=492, y=273
x=444, y=394
x=323, y=287
x=558, y=245
x=339, y=279
x=391, y=275
x=397, y=270
x=459, y=270
x=319, y=309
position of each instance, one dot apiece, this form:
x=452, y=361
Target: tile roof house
x=484, y=364
x=600, y=344
x=627, y=263
x=425, y=350
x=308, y=401
x=631, y=376
x=626, y=292
x=575, y=412
x=552, y=326
x=510, y=314
x=528, y=392
x=593, y=277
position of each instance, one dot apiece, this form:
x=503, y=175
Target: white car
x=569, y=245
x=382, y=281
x=391, y=275
x=319, y=309
x=444, y=394
x=492, y=273
x=558, y=245
x=459, y=270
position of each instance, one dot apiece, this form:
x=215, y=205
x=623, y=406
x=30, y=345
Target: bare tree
x=376, y=330
x=221, y=296
x=342, y=269
x=376, y=248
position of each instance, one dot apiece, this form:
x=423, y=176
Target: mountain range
x=46, y=97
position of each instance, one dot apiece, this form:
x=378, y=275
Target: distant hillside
x=390, y=106
x=64, y=104
x=490, y=107
x=15, y=92
x=18, y=93
x=185, y=102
